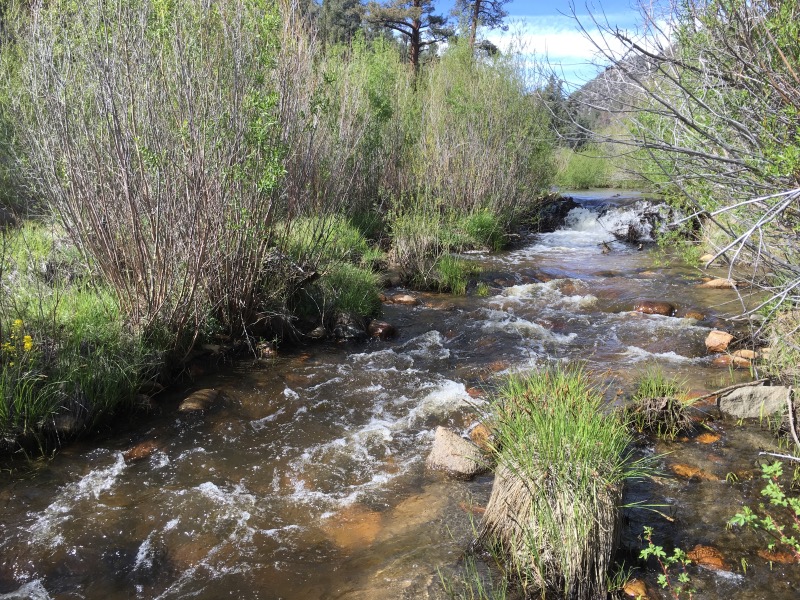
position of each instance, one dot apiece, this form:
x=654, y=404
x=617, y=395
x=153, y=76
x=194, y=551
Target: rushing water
x=307, y=480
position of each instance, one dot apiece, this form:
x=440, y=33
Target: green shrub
x=327, y=239
x=485, y=228
x=453, y=274
x=587, y=168
x=562, y=459
x=353, y=290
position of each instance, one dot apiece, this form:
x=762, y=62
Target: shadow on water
x=307, y=479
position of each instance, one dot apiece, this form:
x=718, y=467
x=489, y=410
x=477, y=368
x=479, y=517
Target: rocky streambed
x=302, y=475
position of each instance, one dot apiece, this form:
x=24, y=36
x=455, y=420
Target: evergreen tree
x=487, y=13
x=414, y=21
x=340, y=20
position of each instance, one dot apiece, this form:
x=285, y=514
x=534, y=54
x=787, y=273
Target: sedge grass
x=657, y=407
x=562, y=460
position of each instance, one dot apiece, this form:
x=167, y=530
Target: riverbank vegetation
x=180, y=173
x=709, y=94
x=553, y=515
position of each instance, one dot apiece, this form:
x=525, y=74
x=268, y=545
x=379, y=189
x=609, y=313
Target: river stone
x=654, y=307
x=719, y=284
x=754, y=401
x=381, y=330
x=706, y=258
x=405, y=299
x=455, y=455
x=718, y=341
x=199, y=401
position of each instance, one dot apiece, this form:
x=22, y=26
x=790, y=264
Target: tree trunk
x=473, y=30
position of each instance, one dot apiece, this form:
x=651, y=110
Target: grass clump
x=453, y=274
x=561, y=461
x=656, y=407
x=354, y=290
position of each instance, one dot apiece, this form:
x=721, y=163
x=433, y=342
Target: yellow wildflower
x=27, y=343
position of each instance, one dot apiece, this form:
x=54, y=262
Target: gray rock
x=455, y=455
x=753, y=402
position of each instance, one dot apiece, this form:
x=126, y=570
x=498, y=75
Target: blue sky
x=545, y=29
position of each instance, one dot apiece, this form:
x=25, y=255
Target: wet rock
x=349, y=332
x=140, y=451
x=706, y=258
x=318, y=333
x=553, y=213
x=481, y=436
x=708, y=438
x=708, y=557
x=67, y=424
x=728, y=360
x=654, y=307
x=753, y=402
x=745, y=354
x=720, y=284
x=266, y=350
x=635, y=588
x=784, y=558
x=455, y=455
x=692, y=314
x=353, y=527
x=381, y=330
x=472, y=509
x=199, y=401
x=718, y=341
x=690, y=472
x=405, y=300
x=475, y=392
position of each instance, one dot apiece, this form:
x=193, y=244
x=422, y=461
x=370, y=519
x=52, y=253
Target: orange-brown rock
x=140, y=451
x=784, y=558
x=654, y=307
x=728, y=360
x=472, y=509
x=690, y=472
x=481, y=436
x=708, y=557
x=498, y=366
x=635, y=588
x=381, y=330
x=718, y=341
x=706, y=258
x=354, y=527
x=475, y=392
x=199, y=401
x=720, y=284
x=708, y=438
x=745, y=354
x=693, y=314
x=405, y=299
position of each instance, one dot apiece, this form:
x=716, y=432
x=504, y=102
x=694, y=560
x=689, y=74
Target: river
x=307, y=479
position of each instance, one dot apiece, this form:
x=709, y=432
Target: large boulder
x=755, y=401
x=456, y=456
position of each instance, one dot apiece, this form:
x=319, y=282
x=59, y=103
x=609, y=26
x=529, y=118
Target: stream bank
x=306, y=477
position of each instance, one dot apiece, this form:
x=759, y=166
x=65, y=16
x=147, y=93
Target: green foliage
x=354, y=290
x=453, y=274
x=779, y=519
x=656, y=406
x=583, y=169
x=561, y=460
x=485, y=228
x=322, y=240
x=673, y=577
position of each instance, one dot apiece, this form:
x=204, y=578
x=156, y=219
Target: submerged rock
x=720, y=284
x=455, y=455
x=381, y=330
x=404, y=299
x=654, y=307
x=708, y=557
x=718, y=341
x=140, y=451
x=199, y=401
x=753, y=402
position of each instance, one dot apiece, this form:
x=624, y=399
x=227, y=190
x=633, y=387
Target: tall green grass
x=562, y=459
